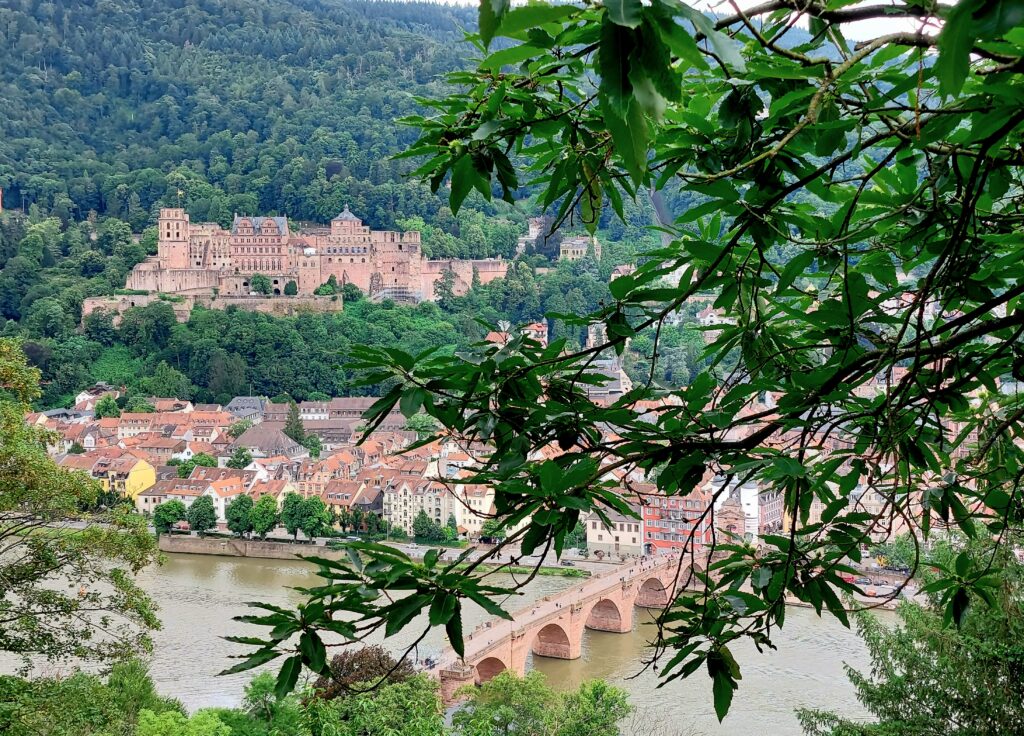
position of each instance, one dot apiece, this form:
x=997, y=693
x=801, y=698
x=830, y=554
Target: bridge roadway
x=554, y=626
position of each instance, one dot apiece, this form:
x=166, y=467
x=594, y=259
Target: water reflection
x=199, y=595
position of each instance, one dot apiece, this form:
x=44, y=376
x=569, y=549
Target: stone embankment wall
x=243, y=548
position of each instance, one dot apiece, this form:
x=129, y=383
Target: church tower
x=172, y=241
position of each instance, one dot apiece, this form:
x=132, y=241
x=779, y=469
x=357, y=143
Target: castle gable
x=259, y=226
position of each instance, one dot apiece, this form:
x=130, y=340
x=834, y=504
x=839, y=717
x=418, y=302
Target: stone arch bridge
x=554, y=626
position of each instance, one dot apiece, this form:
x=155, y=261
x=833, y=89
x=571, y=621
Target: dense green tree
x=105, y=614
x=99, y=327
x=315, y=519
x=291, y=289
x=240, y=458
x=426, y=529
x=492, y=529
x=292, y=514
x=314, y=445
x=186, y=467
x=106, y=407
x=355, y=667
x=238, y=514
x=167, y=514
x=81, y=703
x=138, y=405
x=264, y=515
x=350, y=292
x=293, y=426
x=408, y=708
x=929, y=678
x=166, y=381
x=235, y=430
x=451, y=529
x=173, y=723
x=259, y=284
x=525, y=706
x=423, y=425
x=850, y=210
x=202, y=517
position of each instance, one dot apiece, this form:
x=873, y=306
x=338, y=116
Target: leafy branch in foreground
x=858, y=230
x=66, y=576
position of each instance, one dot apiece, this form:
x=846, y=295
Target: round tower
x=172, y=241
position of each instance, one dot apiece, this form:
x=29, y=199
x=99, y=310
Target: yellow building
x=126, y=475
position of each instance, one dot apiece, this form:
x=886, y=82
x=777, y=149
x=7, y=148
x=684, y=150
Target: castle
x=205, y=259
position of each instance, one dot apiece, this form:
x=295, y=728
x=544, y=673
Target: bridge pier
x=453, y=679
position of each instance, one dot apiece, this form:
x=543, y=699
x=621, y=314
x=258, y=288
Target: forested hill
x=270, y=106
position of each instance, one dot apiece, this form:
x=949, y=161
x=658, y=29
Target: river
x=198, y=596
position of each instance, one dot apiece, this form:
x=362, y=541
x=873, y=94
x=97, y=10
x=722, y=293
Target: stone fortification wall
x=487, y=269
x=279, y=306
x=121, y=303
x=148, y=276
x=243, y=548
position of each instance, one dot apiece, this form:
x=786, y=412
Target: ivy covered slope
x=880, y=355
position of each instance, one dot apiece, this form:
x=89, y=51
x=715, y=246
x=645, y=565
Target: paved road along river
x=198, y=595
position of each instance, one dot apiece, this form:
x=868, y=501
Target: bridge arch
x=606, y=615
x=489, y=668
x=552, y=641
x=653, y=593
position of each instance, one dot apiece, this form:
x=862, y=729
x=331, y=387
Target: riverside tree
x=929, y=678
x=292, y=513
x=238, y=514
x=104, y=614
x=855, y=219
x=201, y=515
x=314, y=518
x=167, y=514
x=264, y=515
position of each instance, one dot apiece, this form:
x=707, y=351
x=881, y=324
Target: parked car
x=568, y=563
x=862, y=581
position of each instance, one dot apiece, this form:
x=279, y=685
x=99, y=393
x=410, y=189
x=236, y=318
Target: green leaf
x=796, y=266
x=261, y=657
x=313, y=651
x=963, y=564
x=288, y=676
x=487, y=604
x=491, y=15
x=616, y=46
x=412, y=400
x=454, y=630
x=624, y=12
x=629, y=136
x=722, y=687
x=527, y=17
x=463, y=177
x=955, y=43
x=442, y=608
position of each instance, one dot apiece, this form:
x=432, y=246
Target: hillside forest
x=257, y=107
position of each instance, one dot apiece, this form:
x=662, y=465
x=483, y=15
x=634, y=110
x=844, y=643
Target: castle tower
x=173, y=236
